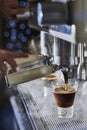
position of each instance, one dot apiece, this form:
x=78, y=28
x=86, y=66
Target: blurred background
x=16, y=36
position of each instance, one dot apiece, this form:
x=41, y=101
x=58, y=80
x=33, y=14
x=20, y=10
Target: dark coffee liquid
x=64, y=98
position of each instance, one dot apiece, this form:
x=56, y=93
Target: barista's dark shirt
x=6, y=117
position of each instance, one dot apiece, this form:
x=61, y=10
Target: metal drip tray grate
x=44, y=111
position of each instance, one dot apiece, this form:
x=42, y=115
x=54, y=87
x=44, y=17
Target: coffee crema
x=61, y=90
x=64, y=98
x=52, y=76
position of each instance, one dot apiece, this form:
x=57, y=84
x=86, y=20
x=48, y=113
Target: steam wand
x=82, y=67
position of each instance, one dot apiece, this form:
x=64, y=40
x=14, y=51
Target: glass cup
x=47, y=81
x=65, y=98
x=47, y=88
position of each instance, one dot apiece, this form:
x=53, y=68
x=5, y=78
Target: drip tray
x=43, y=109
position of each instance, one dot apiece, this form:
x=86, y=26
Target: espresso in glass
x=64, y=93
x=64, y=98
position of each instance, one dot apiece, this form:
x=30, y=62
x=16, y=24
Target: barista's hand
x=7, y=56
x=10, y=8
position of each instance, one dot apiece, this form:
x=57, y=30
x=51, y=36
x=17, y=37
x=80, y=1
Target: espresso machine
x=62, y=26
x=63, y=46
x=62, y=43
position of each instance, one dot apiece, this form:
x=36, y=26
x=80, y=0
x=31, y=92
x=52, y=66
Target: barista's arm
x=7, y=56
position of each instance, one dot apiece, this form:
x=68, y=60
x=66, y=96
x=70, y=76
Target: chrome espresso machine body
x=63, y=27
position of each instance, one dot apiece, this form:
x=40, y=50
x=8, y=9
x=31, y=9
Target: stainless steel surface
x=52, y=13
x=29, y=61
x=23, y=121
x=34, y=45
x=60, y=52
x=63, y=52
x=45, y=109
x=69, y=37
x=25, y=15
x=29, y=74
x=82, y=68
x=46, y=44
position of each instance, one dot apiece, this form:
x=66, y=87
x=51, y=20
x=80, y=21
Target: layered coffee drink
x=64, y=98
x=64, y=93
